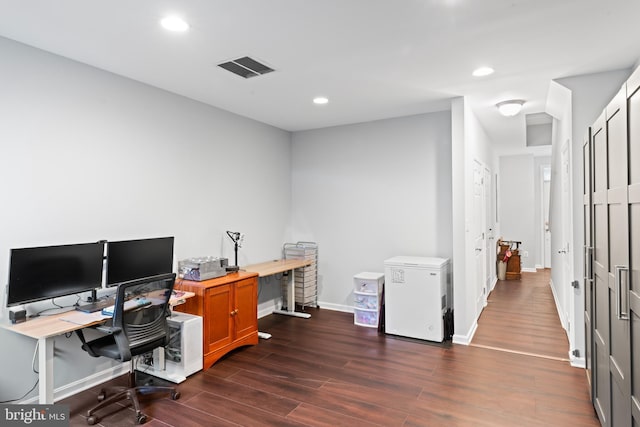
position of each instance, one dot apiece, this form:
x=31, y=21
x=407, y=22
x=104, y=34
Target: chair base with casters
x=109, y=395
x=139, y=325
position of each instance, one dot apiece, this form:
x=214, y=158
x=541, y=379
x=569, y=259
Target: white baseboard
x=563, y=320
x=577, y=362
x=528, y=270
x=539, y=267
x=75, y=387
x=335, y=307
x=466, y=339
x=266, y=308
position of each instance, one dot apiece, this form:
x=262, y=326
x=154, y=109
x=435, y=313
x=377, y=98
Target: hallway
x=521, y=317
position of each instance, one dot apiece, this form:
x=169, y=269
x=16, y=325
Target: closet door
x=600, y=294
x=588, y=250
x=633, y=111
x=618, y=273
x=615, y=219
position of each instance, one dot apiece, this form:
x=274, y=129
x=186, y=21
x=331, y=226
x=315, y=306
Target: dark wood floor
x=324, y=371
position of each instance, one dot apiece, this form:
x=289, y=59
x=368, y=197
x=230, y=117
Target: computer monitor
x=40, y=273
x=135, y=259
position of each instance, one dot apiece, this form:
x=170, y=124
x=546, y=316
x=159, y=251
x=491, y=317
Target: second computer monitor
x=135, y=259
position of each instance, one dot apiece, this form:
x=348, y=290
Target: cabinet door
x=246, y=307
x=618, y=232
x=218, y=327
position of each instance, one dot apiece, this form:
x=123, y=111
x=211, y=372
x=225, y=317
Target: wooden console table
x=513, y=263
x=228, y=306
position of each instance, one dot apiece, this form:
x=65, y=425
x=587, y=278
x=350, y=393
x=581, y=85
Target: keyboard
x=96, y=306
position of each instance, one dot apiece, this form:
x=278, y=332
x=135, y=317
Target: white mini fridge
x=415, y=296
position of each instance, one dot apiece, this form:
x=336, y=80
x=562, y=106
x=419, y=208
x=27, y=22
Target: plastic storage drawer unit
x=366, y=318
x=365, y=301
x=367, y=292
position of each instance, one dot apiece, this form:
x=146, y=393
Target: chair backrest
x=141, y=309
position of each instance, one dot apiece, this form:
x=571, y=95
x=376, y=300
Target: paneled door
x=600, y=263
x=587, y=254
x=633, y=284
x=618, y=272
x=615, y=225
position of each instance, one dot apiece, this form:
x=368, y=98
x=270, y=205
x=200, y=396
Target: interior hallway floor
x=521, y=317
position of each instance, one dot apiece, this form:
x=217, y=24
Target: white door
x=489, y=243
x=477, y=235
x=546, y=256
x=567, y=233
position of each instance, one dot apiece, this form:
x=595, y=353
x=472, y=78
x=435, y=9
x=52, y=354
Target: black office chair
x=139, y=325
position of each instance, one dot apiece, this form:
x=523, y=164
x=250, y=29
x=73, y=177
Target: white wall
x=469, y=142
x=517, y=210
x=586, y=96
x=560, y=134
x=538, y=135
x=87, y=155
x=370, y=191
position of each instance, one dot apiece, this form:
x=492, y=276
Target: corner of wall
x=467, y=337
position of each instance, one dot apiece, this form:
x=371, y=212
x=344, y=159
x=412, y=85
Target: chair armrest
x=108, y=329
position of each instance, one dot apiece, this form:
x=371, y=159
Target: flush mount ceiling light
x=482, y=71
x=320, y=100
x=174, y=23
x=510, y=108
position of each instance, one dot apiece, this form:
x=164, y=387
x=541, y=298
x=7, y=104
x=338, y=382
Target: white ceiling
x=373, y=59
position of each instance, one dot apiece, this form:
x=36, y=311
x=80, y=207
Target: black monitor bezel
x=19, y=255
x=141, y=243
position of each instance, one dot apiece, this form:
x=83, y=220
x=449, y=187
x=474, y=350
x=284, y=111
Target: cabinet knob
x=234, y=312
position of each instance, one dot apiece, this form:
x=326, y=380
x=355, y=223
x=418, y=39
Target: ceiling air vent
x=246, y=67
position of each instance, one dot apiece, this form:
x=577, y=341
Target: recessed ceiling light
x=320, y=100
x=173, y=23
x=483, y=71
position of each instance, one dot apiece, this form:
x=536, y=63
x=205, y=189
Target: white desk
x=280, y=266
x=44, y=329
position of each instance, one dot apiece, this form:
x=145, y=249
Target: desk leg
x=291, y=301
x=45, y=368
